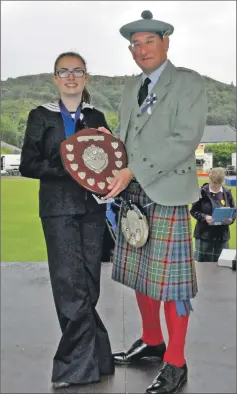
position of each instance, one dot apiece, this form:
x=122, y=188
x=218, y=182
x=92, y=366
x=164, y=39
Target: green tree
x=21, y=131
x=221, y=153
x=112, y=119
x=8, y=130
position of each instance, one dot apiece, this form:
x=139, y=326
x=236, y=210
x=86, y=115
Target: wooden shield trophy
x=93, y=158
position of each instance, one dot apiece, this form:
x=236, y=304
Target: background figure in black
x=211, y=240
x=74, y=227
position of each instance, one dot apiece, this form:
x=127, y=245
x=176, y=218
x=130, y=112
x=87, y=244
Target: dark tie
x=143, y=92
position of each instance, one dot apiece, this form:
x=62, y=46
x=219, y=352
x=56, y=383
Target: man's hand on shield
x=119, y=183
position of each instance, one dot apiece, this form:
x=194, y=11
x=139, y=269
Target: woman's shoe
x=60, y=385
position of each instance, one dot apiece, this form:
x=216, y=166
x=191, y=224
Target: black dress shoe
x=169, y=379
x=138, y=351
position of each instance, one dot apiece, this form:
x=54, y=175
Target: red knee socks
x=176, y=326
x=150, y=313
x=177, y=329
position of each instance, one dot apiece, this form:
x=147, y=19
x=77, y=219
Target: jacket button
x=151, y=165
x=183, y=171
x=136, y=128
x=189, y=168
x=144, y=159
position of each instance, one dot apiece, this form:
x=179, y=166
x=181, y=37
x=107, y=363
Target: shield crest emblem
x=93, y=158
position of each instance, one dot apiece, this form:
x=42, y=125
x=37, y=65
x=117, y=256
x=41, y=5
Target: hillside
x=21, y=94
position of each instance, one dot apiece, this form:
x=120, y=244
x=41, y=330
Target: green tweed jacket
x=164, y=142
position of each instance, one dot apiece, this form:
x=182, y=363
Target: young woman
x=73, y=225
x=211, y=240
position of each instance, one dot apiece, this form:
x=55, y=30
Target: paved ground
x=30, y=332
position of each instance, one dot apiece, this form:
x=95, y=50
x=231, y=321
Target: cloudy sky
x=35, y=32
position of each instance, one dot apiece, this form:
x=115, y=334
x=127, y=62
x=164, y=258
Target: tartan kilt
x=164, y=268
x=209, y=251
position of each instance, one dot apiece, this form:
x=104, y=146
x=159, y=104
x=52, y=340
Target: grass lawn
x=21, y=236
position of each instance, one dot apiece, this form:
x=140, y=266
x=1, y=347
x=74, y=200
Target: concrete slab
x=30, y=332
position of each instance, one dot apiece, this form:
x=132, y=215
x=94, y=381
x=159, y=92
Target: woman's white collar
x=213, y=191
x=54, y=107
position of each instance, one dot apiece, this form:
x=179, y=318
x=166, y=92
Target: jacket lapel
x=131, y=101
x=160, y=89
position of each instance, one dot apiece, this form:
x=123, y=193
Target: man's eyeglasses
x=65, y=72
x=136, y=45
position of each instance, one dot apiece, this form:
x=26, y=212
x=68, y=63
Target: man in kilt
x=162, y=118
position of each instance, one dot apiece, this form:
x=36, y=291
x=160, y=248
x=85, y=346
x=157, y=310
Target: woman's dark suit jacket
x=59, y=194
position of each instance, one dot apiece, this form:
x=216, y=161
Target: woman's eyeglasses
x=65, y=72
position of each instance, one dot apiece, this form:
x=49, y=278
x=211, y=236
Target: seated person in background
x=211, y=240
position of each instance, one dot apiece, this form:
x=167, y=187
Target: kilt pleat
x=164, y=268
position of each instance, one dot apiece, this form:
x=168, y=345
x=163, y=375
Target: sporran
x=134, y=224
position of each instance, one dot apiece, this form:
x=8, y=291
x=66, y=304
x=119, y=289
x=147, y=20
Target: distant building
x=204, y=161
x=14, y=149
x=10, y=163
x=217, y=134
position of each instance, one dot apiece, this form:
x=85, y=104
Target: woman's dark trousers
x=74, y=246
